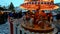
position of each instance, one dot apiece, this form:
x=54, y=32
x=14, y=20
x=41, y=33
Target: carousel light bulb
x=45, y=0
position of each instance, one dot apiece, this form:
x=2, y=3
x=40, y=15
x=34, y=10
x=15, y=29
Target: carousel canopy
x=42, y=5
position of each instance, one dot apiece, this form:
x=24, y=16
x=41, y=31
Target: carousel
x=36, y=20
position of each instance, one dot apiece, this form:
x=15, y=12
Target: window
x=32, y=2
x=35, y=2
x=41, y=2
x=44, y=2
x=29, y=3
x=26, y=3
x=38, y=2
x=47, y=2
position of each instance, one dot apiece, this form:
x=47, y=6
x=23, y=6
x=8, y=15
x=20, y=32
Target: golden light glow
x=42, y=6
x=56, y=7
x=45, y=0
x=2, y=12
x=25, y=1
x=51, y=0
x=38, y=15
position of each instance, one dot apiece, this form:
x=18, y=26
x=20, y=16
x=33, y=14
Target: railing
x=21, y=30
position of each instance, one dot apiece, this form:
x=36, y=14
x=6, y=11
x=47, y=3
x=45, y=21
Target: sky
x=16, y=2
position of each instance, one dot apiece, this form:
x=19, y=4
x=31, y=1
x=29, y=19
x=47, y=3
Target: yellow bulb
x=45, y=0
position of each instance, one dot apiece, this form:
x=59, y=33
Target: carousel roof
x=36, y=4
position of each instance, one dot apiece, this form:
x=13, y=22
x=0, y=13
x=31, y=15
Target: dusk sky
x=17, y=2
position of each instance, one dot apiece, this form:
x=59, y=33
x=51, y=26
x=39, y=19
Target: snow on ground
x=4, y=28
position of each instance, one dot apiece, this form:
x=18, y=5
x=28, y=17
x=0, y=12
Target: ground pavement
x=4, y=28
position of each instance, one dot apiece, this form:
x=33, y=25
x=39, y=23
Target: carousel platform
x=37, y=29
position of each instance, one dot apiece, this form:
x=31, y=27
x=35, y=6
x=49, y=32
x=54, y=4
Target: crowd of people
x=4, y=16
x=15, y=15
x=56, y=16
x=49, y=16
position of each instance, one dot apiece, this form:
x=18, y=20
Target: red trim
x=11, y=28
x=11, y=25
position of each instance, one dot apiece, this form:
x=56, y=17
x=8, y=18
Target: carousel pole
x=51, y=17
x=36, y=14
